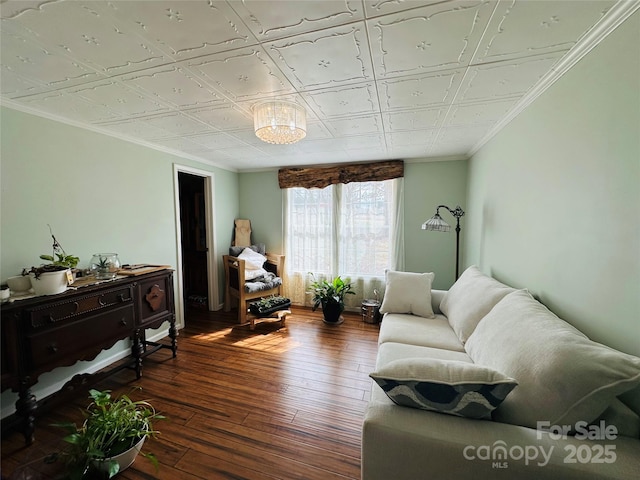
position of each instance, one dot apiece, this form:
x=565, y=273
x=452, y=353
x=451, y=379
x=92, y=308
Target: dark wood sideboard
x=46, y=332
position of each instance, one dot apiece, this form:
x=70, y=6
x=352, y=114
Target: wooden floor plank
x=279, y=402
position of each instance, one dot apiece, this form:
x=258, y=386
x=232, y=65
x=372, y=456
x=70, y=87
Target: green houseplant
x=267, y=305
x=53, y=278
x=330, y=294
x=59, y=257
x=110, y=437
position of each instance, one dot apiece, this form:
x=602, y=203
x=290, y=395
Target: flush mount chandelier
x=279, y=122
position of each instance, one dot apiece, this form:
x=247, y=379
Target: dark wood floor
x=266, y=404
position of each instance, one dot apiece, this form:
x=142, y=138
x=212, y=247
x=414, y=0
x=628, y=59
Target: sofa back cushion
x=632, y=399
x=408, y=292
x=619, y=415
x=563, y=377
x=469, y=299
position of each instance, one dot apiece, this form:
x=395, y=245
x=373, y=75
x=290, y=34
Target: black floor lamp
x=436, y=223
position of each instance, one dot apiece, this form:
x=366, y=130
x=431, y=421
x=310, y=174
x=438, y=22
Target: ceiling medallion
x=279, y=122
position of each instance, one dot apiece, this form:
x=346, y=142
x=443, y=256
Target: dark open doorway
x=194, y=241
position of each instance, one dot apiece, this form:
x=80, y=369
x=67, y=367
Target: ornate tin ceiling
x=379, y=79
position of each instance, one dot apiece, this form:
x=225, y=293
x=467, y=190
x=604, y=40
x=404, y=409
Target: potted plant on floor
x=111, y=436
x=331, y=296
x=53, y=278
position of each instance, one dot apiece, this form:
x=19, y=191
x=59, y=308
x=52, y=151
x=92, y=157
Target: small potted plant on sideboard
x=54, y=277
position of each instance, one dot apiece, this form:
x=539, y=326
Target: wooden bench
x=279, y=316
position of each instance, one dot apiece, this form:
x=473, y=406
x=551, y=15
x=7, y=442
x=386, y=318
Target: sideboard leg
x=26, y=406
x=173, y=334
x=137, y=350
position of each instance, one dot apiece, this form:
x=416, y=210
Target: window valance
x=321, y=177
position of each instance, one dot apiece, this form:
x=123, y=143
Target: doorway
x=194, y=241
x=196, y=273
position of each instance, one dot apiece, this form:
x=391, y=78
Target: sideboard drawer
x=69, y=310
x=52, y=346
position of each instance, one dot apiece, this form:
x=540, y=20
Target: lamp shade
x=279, y=122
x=437, y=224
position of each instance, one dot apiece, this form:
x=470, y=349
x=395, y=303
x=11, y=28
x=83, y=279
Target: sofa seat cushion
x=390, y=351
x=412, y=330
x=563, y=377
x=409, y=444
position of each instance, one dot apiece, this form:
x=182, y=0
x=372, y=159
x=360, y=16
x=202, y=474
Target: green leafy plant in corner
x=327, y=292
x=112, y=426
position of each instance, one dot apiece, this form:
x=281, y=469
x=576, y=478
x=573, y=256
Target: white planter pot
x=19, y=283
x=49, y=283
x=124, y=460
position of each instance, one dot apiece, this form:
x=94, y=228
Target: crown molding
x=92, y=128
x=607, y=24
x=445, y=158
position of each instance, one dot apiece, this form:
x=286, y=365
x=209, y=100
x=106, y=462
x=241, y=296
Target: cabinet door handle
x=53, y=348
x=101, y=301
x=122, y=298
x=50, y=319
x=123, y=322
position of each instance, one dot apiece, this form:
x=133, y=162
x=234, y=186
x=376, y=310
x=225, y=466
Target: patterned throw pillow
x=457, y=388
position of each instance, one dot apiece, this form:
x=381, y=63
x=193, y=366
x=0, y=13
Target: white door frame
x=209, y=208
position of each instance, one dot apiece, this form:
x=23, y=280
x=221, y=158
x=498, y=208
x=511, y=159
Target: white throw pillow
x=563, y=377
x=469, y=299
x=457, y=388
x=408, y=292
x=253, y=274
x=252, y=259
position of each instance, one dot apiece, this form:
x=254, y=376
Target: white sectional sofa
x=570, y=409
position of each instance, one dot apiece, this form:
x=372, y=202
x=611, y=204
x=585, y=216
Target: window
x=310, y=230
x=364, y=235
x=344, y=229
